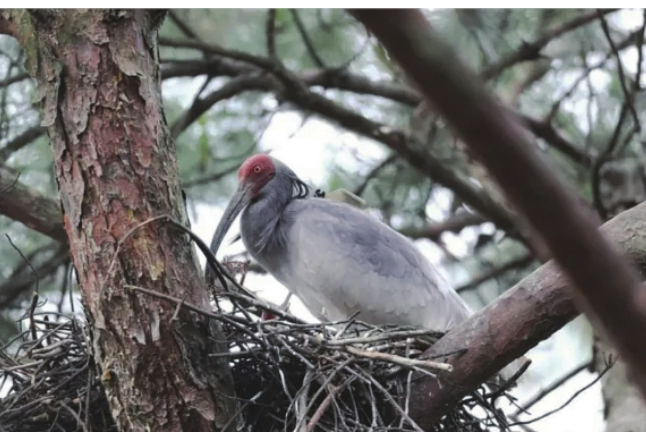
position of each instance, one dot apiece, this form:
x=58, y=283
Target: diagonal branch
x=182, y=25
x=544, y=130
x=13, y=79
x=34, y=210
x=202, y=105
x=495, y=272
x=525, y=315
x=453, y=224
x=607, y=288
x=289, y=87
x=532, y=50
x=346, y=81
x=21, y=281
x=628, y=96
x=20, y=141
x=307, y=41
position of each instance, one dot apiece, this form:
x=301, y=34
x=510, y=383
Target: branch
x=212, y=177
x=270, y=32
x=13, y=79
x=326, y=78
x=531, y=51
x=606, y=287
x=21, y=281
x=185, y=28
x=495, y=272
x=307, y=41
x=453, y=224
x=346, y=81
x=7, y=27
x=628, y=96
x=517, y=321
x=201, y=106
x=20, y=141
x=34, y=210
x=373, y=173
x=544, y=130
x=551, y=387
x=289, y=87
x=604, y=157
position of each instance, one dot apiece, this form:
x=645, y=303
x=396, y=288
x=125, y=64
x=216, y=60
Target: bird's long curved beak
x=237, y=203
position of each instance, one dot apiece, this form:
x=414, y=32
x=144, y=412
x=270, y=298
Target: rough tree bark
x=98, y=80
x=517, y=321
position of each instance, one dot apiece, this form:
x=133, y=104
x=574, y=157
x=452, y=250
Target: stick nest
x=288, y=374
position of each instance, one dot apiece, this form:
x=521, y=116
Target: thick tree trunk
x=98, y=78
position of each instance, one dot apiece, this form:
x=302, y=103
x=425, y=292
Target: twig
x=604, y=157
x=544, y=130
x=453, y=224
x=321, y=409
x=495, y=272
x=32, y=308
x=200, y=106
x=570, y=400
x=390, y=399
x=604, y=284
x=359, y=189
x=307, y=41
x=640, y=53
x=553, y=386
x=14, y=79
x=400, y=360
x=531, y=51
x=380, y=337
x=11, y=185
x=21, y=281
x=185, y=28
x=270, y=33
x=33, y=271
x=20, y=141
x=628, y=96
x=75, y=415
x=212, y=262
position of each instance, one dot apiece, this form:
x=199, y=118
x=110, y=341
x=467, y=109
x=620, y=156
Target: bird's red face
x=255, y=172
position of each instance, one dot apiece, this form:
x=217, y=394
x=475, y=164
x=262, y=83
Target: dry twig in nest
x=50, y=379
x=289, y=375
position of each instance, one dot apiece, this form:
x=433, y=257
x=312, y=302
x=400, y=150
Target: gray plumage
x=338, y=259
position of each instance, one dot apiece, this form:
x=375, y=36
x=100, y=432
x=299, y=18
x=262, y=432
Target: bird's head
x=254, y=174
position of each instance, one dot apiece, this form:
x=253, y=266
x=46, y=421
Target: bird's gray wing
x=344, y=260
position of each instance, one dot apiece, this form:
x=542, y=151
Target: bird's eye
x=256, y=169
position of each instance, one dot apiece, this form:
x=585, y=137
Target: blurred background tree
x=316, y=90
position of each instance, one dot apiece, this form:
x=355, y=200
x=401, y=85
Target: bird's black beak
x=240, y=199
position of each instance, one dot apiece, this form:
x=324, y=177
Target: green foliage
x=210, y=148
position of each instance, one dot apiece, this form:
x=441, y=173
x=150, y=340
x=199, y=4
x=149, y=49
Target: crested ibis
x=336, y=258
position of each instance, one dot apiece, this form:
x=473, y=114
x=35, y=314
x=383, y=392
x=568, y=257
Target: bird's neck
x=261, y=220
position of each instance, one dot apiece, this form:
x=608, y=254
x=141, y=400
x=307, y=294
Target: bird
x=337, y=259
